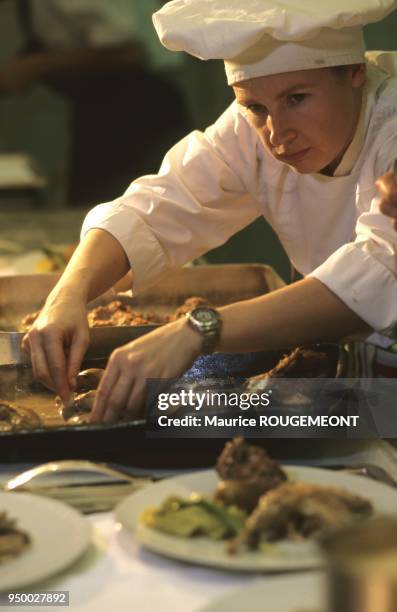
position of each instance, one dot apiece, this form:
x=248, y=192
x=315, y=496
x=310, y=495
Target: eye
x=257, y=109
x=295, y=99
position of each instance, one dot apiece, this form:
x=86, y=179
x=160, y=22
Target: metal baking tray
x=126, y=442
x=220, y=284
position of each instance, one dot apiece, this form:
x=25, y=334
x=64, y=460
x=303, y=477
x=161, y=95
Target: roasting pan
x=220, y=284
x=127, y=442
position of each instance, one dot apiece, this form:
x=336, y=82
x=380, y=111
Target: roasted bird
x=300, y=363
x=298, y=510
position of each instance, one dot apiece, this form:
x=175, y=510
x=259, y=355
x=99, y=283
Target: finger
x=57, y=365
x=39, y=363
x=118, y=398
x=109, y=379
x=136, y=401
x=77, y=351
x=25, y=344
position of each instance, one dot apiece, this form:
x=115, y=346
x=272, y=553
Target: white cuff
x=145, y=254
x=365, y=285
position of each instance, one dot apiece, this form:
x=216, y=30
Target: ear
x=358, y=75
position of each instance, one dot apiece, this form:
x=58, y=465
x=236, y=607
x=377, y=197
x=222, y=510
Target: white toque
x=262, y=37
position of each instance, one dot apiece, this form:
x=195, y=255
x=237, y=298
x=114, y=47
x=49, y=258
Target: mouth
x=293, y=158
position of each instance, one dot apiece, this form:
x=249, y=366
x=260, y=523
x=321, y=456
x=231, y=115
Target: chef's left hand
x=388, y=190
x=164, y=353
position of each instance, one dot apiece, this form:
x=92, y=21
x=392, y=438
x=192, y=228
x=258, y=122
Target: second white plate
x=284, y=555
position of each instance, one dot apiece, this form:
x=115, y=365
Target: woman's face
x=306, y=118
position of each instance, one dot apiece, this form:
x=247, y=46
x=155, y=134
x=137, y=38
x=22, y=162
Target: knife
x=88, y=497
x=369, y=470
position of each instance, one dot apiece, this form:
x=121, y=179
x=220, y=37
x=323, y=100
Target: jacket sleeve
x=363, y=273
x=199, y=198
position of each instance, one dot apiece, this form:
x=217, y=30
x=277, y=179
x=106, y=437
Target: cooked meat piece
x=188, y=305
x=301, y=510
x=249, y=463
x=119, y=314
x=238, y=493
x=81, y=405
x=15, y=417
x=87, y=380
x=249, y=467
x=113, y=314
x=303, y=362
x=78, y=411
x=12, y=540
x=300, y=363
x=84, y=402
x=116, y=313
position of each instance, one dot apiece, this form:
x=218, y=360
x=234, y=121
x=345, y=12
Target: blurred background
x=90, y=100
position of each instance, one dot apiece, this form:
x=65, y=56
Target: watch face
x=204, y=315
x=206, y=321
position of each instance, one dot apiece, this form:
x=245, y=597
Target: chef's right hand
x=57, y=342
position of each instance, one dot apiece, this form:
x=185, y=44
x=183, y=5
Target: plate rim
x=66, y=512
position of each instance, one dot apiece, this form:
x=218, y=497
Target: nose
x=280, y=133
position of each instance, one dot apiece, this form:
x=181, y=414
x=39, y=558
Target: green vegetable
x=195, y=516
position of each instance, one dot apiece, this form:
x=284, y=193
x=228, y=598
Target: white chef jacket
x=212, y=184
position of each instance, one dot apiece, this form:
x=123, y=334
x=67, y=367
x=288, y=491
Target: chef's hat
x=262, y=37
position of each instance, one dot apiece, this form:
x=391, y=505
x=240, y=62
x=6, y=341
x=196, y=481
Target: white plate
x=284, y=555
x=290, y=593
x=59, y=535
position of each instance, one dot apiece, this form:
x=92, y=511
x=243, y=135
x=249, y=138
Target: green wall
x=382, y=35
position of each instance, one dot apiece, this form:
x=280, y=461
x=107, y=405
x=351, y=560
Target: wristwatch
x=207, y=322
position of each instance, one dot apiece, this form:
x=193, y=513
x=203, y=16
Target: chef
x=312, y=128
